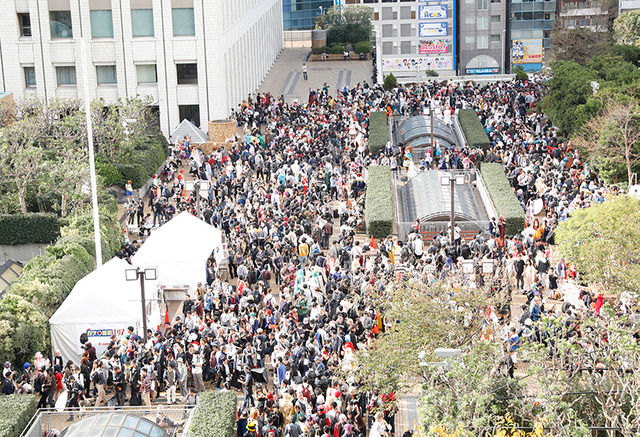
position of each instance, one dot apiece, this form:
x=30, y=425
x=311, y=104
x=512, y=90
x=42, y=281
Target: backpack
x=37, y=384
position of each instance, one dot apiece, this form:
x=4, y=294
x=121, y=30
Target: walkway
x=285, y=78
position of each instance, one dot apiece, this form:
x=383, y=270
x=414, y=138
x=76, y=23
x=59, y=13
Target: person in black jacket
x=75, y=388
x=119, y=385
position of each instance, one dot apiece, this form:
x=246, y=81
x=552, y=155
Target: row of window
x=408, y=47
x=102, y=23
x=106, y=74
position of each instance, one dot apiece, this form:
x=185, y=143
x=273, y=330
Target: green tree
x=626, y=28
x=390, y=82
x=345, y=14
x=604, y=242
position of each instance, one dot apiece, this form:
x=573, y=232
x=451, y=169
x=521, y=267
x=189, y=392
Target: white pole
x=503, y=70
x=92, y=165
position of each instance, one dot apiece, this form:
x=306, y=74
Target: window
x=147, y=73
x=183, y=22
x=482, y=42
x=495, y=1
x=60, y=24
x=387, y=48
x=495, y=18
x=495, y=38
x=142, y=22
x=405, y=29
x=190, y=112
x=387, y=30
x=66, y=75
x=106, y=74
x=405, y=47
x=24, y=20
x=469, y=20
x=187, y=74
x=29, y=76
x=483, y=23
x=482, y=5
x=469, y=39
x=405, y=13
x=101, y=24
x=387, y=13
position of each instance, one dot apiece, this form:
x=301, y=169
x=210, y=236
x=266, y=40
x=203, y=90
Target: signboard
x=433, y=12
x=433, y=29
x=430, y=46
x=100, y=336
x=495, y=70
x=418, y=64
x=526, y=51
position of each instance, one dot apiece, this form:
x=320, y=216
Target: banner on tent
x=100, y=335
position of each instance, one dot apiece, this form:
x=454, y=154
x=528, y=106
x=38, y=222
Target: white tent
x=180, y=249
x=101, y=304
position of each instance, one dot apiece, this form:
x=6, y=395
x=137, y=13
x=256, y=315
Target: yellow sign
x=526, y=51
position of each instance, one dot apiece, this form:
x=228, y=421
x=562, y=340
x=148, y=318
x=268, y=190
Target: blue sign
x=433, y=12
x=433, y=30
x=483, y=70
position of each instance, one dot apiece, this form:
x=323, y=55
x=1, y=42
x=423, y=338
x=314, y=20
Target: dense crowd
x=297, y=301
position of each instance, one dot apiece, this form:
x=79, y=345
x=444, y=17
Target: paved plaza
x=285, y=77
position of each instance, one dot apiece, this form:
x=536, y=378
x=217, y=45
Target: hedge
x=473, y=131
x=362, y=47
x=503, y=198
x=215, y=415
x=33, y=227
x=378, y=212
x=378, y=131
x=15, y=413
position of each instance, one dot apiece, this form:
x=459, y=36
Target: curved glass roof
x=114, y=425
x=416, y=132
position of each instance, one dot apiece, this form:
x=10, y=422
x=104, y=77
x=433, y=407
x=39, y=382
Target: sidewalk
x=285, y=78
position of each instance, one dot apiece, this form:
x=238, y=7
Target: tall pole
x=452, y=181
x=431, y=114
x=503, y=70
x=92, y=164
x=141, y=275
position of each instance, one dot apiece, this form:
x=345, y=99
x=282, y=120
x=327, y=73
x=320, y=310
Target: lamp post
x=150, y=273
x=197, y=185
x=452, y=180
x=504, y=44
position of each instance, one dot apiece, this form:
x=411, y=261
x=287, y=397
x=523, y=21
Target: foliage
x=390, y=82
x=345, y=14
x=214, y=416
x=603, y=241
x=474, y=133
x=17, y=411
x=579, y=44
x=335, y=50
x=378, y=131
x=626, y=28
x=362, y=47
x=503, y=198
x=431, y=73
x=522, y=76
x=379, y=202
x=348, y=33
x=29, y=228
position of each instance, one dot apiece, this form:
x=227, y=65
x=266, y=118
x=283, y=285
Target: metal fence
x=49, y=421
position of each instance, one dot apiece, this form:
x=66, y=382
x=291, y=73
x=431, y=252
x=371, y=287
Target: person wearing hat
x=128, y=189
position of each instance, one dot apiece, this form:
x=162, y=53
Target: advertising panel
x=490, y=70
x=435, y=12
x=419, y=64
x=100, y=336
x=526, y=51
x=433, y=30
x=431, y=46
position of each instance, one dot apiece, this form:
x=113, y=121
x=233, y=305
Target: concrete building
x=628, y=6
x=483, y=36
x=578, y=13
x=197, y=58
x=300, y=14
x=531, y=23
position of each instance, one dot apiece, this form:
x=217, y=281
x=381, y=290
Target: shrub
x=363, y=47
x=522, y=76
x=378, y=131
x=472, y=129
x=16, y=412
x=214, y=416
x=320, y=50
x=379, y=202
x=110, y=174
x=503, y=198
x=335, y=50
x=390, y=82
x=431, y=73
x=135, y=173
x=29, y=228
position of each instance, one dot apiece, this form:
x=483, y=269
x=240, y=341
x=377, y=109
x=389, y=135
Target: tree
x=604, y=242
x=627, y=28
x=614, y=132
x=579, y=44
x=390, y=82
x=345, y=14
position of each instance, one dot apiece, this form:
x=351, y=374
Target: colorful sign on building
x=433, y=29
x=420, y=64
x=430, y=46
x=433, y=12
x=526, y=51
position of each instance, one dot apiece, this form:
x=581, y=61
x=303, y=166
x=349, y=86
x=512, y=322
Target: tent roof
x=108, y=295
x=188, y=128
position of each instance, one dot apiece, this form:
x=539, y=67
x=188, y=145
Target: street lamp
x=503, y=70
x=150, y=273
x=197, y=186
x=452, y=180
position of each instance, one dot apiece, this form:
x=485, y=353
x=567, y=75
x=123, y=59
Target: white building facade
x=196, y=58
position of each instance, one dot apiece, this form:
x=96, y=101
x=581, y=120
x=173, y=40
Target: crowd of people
x=297, y=301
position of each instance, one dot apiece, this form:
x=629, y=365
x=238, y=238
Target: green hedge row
x=362, y=47
x=15, y=413
x=378, y=131
x=378, y=204
x=473, y=131
x=144, y=162
x=33, y=227
x=503, y=198
x=214, y=416
x=47, y=280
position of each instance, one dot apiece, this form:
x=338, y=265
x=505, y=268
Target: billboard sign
x=431, y=46
x=433, y=30
x=494, y=70
x=526, y=51
x=435, y=12
x=418, y=64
